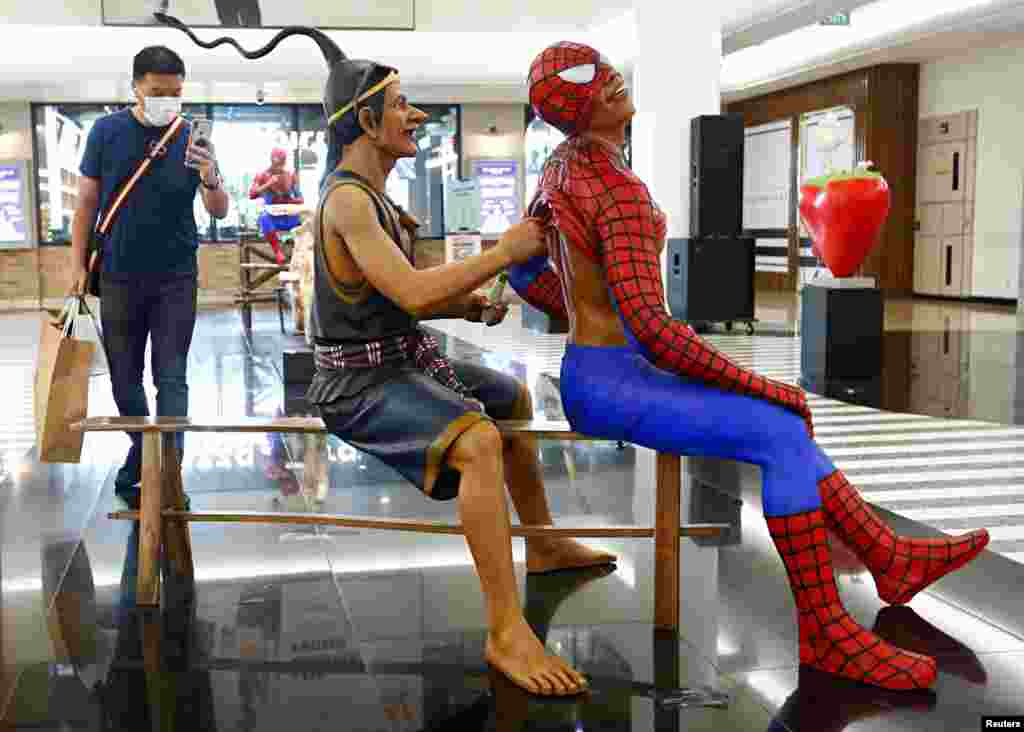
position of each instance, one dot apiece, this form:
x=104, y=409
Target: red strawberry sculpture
x=844, y=213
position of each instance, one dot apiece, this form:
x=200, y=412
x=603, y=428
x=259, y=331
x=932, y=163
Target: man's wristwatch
x=216, y=172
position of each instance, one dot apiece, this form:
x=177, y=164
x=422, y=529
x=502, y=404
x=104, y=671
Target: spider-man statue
x=631, y=372
x=276, y=186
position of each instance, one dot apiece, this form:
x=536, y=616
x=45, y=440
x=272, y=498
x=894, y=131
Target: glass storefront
x=60, y=134
x=244, y=135
x=418, y=184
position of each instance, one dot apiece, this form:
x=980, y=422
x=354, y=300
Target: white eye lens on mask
x=583, y=74
x=161, y=111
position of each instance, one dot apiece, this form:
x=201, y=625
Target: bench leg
x=279, y=293
x=176, y=541
x=666, y=543
x=150, y=522
x=314, y=473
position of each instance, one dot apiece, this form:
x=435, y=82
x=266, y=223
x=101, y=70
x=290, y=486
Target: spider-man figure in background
x=276, y=186
x=631, y=372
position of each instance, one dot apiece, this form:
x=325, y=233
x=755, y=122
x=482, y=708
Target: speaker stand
x=841, y=323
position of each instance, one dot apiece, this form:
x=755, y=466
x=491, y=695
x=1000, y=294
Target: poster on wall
x=462, y=205
x=461, y=246
x=499, y=194
x=767, y=167
x=14, y=232
x=324, y=14
x=827, y=142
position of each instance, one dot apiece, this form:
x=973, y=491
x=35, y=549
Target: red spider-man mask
x=564, y=81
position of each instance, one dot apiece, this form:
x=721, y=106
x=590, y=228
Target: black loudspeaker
x=716, y=175
x=298, y=365
x=711, y=280
x=840, y=334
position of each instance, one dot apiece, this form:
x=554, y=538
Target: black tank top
x=344, y=314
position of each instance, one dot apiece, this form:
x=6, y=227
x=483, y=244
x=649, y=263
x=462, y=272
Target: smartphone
x=199, y=135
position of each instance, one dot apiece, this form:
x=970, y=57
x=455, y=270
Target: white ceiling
x=457, y=15
x=54, y=49
x=887, y=31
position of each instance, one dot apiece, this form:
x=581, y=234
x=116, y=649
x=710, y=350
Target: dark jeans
x=163, y=309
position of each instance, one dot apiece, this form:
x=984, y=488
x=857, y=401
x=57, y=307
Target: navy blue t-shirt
x=155, y=230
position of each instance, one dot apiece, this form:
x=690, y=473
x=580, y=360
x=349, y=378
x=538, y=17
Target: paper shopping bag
x=87, y=328
x=61, y=392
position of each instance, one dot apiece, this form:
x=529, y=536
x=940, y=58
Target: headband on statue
x=380, y=85
x=347, y=78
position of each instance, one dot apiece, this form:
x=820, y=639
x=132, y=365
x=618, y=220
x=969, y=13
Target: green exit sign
x=837, y=19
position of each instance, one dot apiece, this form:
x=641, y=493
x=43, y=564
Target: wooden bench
x=164, y=522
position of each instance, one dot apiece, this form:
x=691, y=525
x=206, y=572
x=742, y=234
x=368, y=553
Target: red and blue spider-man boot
x=901, y=566
x=831, y=640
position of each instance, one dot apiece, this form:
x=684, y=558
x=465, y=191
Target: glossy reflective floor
x=309, y=629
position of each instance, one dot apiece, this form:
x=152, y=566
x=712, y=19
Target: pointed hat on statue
x=347, y=81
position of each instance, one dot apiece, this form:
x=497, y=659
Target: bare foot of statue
x=549, y=555
x=515, y=651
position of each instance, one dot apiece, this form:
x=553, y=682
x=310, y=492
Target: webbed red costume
x=669, y=390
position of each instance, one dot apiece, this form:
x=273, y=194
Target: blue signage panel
x=13, y=216
x=499, y=194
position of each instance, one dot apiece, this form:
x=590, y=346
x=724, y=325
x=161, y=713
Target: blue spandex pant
x=617, y=394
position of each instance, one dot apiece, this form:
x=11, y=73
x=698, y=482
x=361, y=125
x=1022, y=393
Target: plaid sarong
x=419, y=348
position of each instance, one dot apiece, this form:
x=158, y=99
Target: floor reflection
x=310, y=629
x=902, y=626
x=291, y=654
x=947, y=374
x=823, y=703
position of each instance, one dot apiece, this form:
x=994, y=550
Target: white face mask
x=160, y=111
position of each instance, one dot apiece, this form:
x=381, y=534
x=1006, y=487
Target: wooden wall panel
x=218, y=268
x=33, y=277
x=848, y=89
x=892, y=127
x=54, y=273
x=19, y=276
x=772, y=281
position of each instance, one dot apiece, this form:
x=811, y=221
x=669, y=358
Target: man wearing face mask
x=149, y=274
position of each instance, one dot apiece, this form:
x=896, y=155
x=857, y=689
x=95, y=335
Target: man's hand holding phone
x=200, y=153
